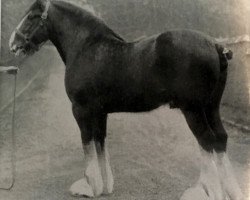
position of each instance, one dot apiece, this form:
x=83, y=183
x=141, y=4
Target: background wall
x=133, y=19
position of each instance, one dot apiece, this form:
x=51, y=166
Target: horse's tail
x=224, y=55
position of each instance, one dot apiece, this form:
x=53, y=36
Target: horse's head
x=32, y=31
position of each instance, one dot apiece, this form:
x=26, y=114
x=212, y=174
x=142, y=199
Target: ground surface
x=154, y=156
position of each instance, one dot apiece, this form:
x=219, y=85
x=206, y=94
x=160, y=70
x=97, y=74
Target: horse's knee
x=86, y=138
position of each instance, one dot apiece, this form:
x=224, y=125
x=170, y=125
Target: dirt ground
x=154, y=155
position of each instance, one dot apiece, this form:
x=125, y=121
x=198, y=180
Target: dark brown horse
x=106, y=74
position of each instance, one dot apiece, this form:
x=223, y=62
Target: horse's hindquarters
x=191, y=66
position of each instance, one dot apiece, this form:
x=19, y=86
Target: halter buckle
x=44, y=16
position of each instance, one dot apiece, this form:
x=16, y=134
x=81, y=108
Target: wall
x=236, y=97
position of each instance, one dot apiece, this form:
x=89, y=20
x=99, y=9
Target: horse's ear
x=42, y=3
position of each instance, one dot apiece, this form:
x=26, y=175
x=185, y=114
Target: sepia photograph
x=125, y=99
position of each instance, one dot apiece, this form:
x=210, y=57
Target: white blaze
x=13, y=35
x=11, y=41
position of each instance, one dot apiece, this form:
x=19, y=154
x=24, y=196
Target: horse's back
x=178, y=66
x=191, y=63
x=186, y=47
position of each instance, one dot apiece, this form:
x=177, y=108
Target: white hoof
x=216, y=182
x=209, y=186
x=232, y=190
x=229, y=182
x=94, y=178
x=81, y=188
x=196, y=193
x=110, y=182
x=108, y=176
x=210, y=181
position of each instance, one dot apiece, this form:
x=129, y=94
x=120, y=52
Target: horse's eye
x=30, y=16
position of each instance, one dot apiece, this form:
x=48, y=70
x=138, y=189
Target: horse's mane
x=84, y=18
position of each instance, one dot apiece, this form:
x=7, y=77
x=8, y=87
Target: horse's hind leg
x=228, y=180
x=212, y=113
x=208, y=186
x=97, y=173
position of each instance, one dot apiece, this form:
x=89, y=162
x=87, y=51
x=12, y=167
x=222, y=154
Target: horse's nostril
x=15, y=48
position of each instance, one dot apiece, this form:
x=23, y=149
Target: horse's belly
x=133, y=107
x=137, y=103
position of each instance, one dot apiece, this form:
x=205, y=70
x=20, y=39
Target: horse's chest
x=77, y=84
x=90, y=84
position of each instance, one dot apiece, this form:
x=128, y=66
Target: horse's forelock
x=32, y=7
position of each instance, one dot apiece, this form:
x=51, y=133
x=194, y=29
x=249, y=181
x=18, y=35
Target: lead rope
x=13, y=140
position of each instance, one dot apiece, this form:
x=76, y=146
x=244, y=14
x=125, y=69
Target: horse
x=104, y=74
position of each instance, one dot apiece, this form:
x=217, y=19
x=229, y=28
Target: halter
x=28, y=39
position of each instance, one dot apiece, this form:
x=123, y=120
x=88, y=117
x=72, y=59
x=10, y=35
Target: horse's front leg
x=97, y=177
x=103, y=158
x=102, y=152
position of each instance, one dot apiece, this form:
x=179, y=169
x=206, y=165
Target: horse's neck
x=65, y=35
x=70, y=37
